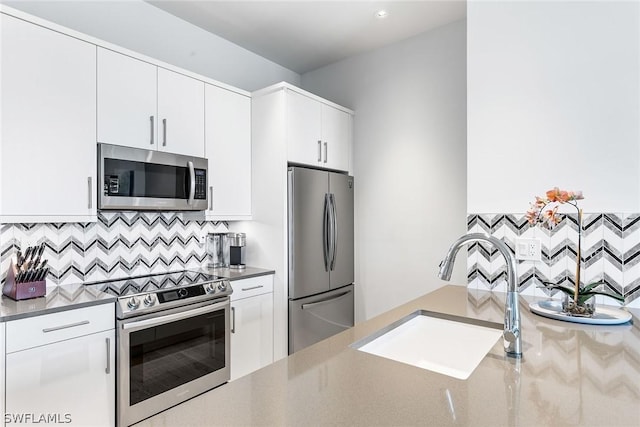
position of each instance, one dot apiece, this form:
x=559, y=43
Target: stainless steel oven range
x=173, y=334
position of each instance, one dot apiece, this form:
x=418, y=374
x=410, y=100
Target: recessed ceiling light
x=381, y=14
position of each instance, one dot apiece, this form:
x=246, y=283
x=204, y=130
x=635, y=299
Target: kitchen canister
x=217, y=250
x=237, y=243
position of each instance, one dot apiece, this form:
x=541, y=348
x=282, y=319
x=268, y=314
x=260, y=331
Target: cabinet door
x=252, y=334
x=127, y=100
x=336, y=137
x=48, y=136
x=73, y=380
x=304, y=135
x=180, y=114
x=228, y=148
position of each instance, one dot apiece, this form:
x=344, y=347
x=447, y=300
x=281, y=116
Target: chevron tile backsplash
x=610, y=253
x=117, y=245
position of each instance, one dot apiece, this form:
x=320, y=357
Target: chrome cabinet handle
x=151, y=119
x=164, y=132
x=210, y=198
x=192, y=184
x=319, y=151
x=89, y=191
x=326, y=150
x=252, y=287
x=233, y=320
x=70, y=325
x=107, y=370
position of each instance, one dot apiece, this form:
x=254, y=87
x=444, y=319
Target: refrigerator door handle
x=325, y=231
x=334, y=230
x=290, y=223
x=324, y=301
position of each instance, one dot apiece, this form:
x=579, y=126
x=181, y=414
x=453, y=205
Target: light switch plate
x=528, y=249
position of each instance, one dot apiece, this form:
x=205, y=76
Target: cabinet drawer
x=49, y=328
x=252, y=286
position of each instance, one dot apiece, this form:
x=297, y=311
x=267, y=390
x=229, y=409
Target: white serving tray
x=604, y=315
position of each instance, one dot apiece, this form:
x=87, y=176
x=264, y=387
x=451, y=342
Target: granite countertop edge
x=4, y=317
x=54, y=300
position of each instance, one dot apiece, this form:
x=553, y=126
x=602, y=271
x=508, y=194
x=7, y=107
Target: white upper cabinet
x=336, y=137
x=228, y=148
x=48, y=116
x=127, y=100
x=318, y=134
x=180, y=114
x=304, y=129
x=145, y=106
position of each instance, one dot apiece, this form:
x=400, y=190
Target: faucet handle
x=511, y=335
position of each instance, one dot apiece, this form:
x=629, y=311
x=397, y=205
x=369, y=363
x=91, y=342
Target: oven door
x=168, y=357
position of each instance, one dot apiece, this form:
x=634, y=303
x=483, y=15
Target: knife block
x=24, y=290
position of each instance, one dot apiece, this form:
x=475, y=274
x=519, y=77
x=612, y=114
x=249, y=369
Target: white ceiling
x=304, y=35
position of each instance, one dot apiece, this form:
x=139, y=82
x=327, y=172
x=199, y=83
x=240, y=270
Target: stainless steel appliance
x=321, y=260
x=137, y=179
x=173, y=333
x=237, y=243
x=218, y=250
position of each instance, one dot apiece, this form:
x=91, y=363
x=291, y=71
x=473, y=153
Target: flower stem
x=576, y=291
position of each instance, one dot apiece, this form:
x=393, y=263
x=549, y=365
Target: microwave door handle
x=192, y=183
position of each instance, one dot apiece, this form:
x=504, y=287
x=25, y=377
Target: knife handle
x=38, y=255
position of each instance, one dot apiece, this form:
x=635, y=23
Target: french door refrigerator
x=321, y=261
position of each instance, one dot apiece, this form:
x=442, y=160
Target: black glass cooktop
x=155, y=282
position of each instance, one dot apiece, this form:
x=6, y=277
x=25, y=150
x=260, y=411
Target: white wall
x=145, y=29
x=553, y=100
x=409, y=161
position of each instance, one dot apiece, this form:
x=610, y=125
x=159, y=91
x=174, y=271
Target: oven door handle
x=162, y=319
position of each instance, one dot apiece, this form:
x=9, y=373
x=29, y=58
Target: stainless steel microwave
x=137, y=179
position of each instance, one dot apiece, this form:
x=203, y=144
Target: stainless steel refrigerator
x=320, y=227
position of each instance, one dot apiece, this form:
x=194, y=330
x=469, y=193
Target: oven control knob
x=148, y=300
x=222, y=286
x=133, y=303
x=209, y=288
x=183, y=292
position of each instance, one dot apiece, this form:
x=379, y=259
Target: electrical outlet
x=528, y=249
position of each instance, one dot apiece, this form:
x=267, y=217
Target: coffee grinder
x=237, y=243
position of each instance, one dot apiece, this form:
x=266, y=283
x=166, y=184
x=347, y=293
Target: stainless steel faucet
x=512, y=339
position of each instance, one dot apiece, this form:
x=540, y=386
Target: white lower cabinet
x=252, y=325
x=2, y=371
x=70, y=381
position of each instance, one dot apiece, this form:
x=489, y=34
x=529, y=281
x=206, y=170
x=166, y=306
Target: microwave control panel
x=201, y=184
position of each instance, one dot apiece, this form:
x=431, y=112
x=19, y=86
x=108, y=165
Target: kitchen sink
x=443, y=343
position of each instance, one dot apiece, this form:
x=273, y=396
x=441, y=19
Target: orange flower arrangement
x=549, y=218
